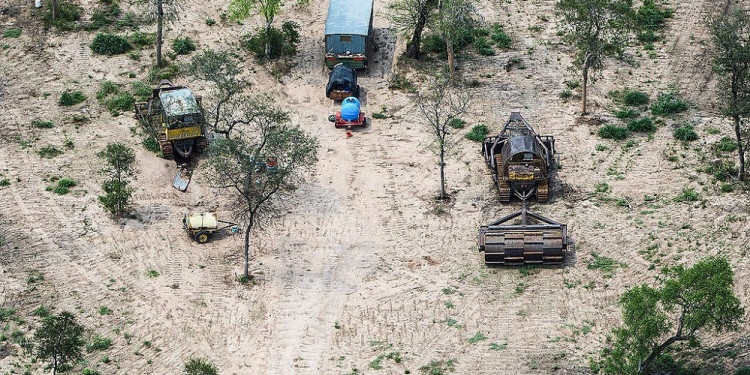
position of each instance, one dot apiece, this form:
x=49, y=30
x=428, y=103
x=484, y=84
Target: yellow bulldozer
x=174, y=117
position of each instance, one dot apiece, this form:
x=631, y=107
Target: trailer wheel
x=202, y=237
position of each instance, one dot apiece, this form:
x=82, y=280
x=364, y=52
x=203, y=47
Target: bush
x=183, y=46
x=99, y=343
x=150, y=143
x=687, y=195
x=141, y=39
x=726, y=144
x=642, y=125
x=743, y=371
x=12, y=33
x=648, y=37
x=457, y=123
x=122, y=102
x=104, y=16
x=668, y=104
x=433, y=43
x=650, y=17
x=565, y=94
x=613, y=132
x=722, y=170
x=635, y=98
x=477, y=133
x=141, y=91
x=42, y=124
x=283, y=42
x=483, y=47
x=626, y=113
x=68, y=98
x=110, y=44
x=67, y=15
x=4, y=182
x=197, y=366
x=498, y=35
x=49, y=152
x=685, y=133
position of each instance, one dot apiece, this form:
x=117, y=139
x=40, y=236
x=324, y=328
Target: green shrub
x=88, y=371
x=685, y=133
x=42, y=124
x=12, y=33
x=99, y=343
x=635, y=98
x=498, y=35
x=726, y=144
x=651, y=17
x=433, y=43
x=648, y=36
x=110, y=44
x=477, y=133
x=197, y=366
x=122, y=102
x=483, y=47
x=283, y=42
x=210, y=22
x=668, y=104
x=183, y=46
x=150, y=143
x=66, y=182
x=67, y=15
x=457, y=123
x=41, y=311
x=68, y=98
x=141, y=39
x=4, y=182
x=687, y=195
x=726, y=188
x=642, y=125
x=626, y=113
x=613, y=132
x=565, y=94
x=104, y=16
x=722, y=170
x=743, y=371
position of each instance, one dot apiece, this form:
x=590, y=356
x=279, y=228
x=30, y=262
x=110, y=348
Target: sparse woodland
x=356, y=252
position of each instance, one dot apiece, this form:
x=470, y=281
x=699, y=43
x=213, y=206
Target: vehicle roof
x=349, y=17
x=179, y=102
x=519, y=144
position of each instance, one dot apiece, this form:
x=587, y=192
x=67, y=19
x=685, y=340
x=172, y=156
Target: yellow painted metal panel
x=183, y=133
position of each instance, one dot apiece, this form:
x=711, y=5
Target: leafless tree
x=439, y=104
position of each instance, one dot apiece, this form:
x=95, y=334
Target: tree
x=453, y=18
x=731, y=37
x=118, y=167
x=59, y=339
x=692, y=299
x=240, y=9
x=197, y=366
x=411, y=17
x=223, y=70
x=439, y=105
x=259, y=164
x=163, y=11
x=596, y=29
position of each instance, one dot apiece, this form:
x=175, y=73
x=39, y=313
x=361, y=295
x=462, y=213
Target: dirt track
x=360, y=264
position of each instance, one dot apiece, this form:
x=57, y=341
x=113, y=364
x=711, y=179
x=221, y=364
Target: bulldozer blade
x=182, y=180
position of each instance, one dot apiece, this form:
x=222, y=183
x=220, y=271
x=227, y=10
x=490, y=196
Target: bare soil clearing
x=360, y=265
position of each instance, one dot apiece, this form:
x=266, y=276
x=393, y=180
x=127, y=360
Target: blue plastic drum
x=350, y=109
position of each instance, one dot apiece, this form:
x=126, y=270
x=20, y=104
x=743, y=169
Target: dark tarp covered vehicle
x=342, y=83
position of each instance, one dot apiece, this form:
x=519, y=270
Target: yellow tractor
x=174, y=117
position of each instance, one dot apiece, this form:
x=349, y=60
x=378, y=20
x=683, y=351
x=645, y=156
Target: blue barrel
x=350, y=109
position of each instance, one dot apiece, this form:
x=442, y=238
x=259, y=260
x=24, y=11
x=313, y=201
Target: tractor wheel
x=202, y=237
x=332, y=118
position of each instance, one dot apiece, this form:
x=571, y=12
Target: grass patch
x=626, y=113
x=151, y=144
x=457, y=123
x=142, y=40
x=12, y=33
x=644, y=125
x=69, y=98
x=141, y=91
x=479, y=336
x=477, y=133
x=685, y=133
x=153, y=273
x=603, y=263
x=439, y=367
x=110, y=44
x=496, y=346
x=42, y=124
x=41, y=311
x=157, y=74
x=49, y=152
x=4, y=182
x=613, y=132
x=498, y=35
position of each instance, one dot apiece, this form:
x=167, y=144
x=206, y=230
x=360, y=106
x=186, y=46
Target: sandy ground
x=359, y=265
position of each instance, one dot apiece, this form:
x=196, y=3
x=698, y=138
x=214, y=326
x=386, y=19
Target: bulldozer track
x=542, y=191
x=166, y=147
x=503, y=189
